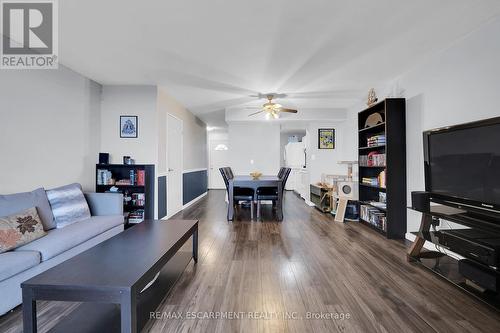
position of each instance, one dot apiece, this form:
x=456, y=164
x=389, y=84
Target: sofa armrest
x=105, y=203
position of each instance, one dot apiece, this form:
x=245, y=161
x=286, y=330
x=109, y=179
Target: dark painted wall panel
x=162, y=196
x=194, y=185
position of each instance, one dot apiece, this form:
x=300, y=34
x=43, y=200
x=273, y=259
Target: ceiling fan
x=272, y=109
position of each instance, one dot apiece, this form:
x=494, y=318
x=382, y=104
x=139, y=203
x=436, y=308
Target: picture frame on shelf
x=128, y=126
x=326, y=138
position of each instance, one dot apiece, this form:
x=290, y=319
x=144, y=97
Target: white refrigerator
x=295, y=158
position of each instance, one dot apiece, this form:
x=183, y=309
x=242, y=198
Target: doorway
x=174, y=164
x=218, y=158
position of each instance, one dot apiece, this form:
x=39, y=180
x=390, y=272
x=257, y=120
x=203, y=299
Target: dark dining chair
x=280, y=173
x=239, y=193
x=271, y=193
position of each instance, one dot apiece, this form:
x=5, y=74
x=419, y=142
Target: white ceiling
x=213, y=54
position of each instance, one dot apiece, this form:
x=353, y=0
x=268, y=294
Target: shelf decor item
x=255, y=174
x=372, y=97
x=128, y=126
x=326, y=138
x=382, y=167
x=374, y=120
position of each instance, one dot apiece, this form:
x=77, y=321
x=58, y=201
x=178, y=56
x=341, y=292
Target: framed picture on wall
x=128, y=126
x=326, y=138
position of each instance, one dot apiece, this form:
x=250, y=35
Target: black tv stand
x=440, y=262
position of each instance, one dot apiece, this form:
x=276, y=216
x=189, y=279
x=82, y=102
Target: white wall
x=458, y=85
x=50, y=129
x=130, y=101
x=325, y=161
x=259, y=142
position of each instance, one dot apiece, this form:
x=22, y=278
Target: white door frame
x=210, y=184
x=169, y=215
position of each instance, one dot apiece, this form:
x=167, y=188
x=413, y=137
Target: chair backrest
x=280, y=173
x=230, y=174
x=224, y=176
x=285, y=178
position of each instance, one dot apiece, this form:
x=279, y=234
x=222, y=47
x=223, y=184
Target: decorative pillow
x=19, y=229
x=13, y=203
x=68, y=205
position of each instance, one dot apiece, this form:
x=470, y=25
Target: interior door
x=219, y=157
x=174, y=162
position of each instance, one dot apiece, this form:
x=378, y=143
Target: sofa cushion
x=12, y=262
x=19, y=229
x=68, y=205
x=13, y=203
x=58, y=241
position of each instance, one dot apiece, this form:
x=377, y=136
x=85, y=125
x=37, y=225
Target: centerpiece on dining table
x=255, y=174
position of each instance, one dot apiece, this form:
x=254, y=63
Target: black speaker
x=421, y=201
x=103, y=158
x=479, y=274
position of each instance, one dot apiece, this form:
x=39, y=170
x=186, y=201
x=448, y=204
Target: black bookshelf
x=122, y=172
x=392, y=126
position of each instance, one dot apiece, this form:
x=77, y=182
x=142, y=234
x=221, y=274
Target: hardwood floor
x=307, y=263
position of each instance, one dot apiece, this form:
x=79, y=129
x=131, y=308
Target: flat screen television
x=462, y=166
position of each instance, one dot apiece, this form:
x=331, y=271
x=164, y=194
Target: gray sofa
x=58, y=245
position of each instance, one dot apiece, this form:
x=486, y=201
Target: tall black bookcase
x=122, y=172
x=387, y=137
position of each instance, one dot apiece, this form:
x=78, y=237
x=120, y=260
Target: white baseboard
x=309, y=203
x=194, y=200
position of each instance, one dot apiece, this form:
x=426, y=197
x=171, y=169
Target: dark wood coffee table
x=114, y=271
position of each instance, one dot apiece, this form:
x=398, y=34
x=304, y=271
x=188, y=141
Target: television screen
x=465, y=163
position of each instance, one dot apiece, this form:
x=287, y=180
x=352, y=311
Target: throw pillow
x=68, y=205
x=19, y=229
x=13, y=203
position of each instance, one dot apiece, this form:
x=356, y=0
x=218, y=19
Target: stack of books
x=104, y=177
x=136, y=216
x=136, y=177
x=123, y=182
x=372, y=160
x=376, y=140
x=138, y=199
x=373, y=216
x=373, y=181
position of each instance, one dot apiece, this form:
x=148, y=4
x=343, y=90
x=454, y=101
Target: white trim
x=181, y=159
x=194, y=200
x=194, y=170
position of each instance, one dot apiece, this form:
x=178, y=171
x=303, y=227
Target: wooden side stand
x=415, y=250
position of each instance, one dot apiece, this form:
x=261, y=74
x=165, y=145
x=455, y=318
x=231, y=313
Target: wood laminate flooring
x=270, y=275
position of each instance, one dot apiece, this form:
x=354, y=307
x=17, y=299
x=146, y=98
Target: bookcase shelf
x=391, y=135
x=123, y=171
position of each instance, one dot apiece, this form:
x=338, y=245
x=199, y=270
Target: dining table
x=255, y=183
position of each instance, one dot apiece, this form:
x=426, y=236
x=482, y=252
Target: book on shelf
x=141, y=177
x=373, y=216
x=378, y=204
x=372, y=181
x=136, y=216
x=372, y=159
x=376, y=140
x=138, y=199
x=104, y=177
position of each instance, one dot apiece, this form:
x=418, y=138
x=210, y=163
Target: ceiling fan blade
x=253, y=114
x=288, y=110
